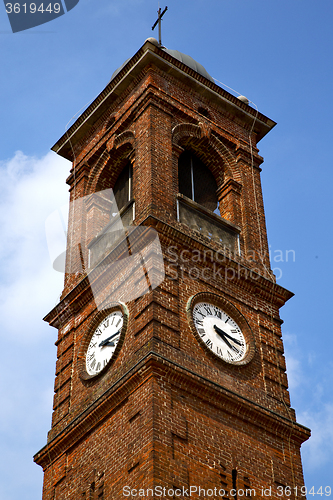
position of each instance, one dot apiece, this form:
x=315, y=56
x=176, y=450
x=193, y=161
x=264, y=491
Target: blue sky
x=276, y=52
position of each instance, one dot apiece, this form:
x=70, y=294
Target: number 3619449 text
x=32, y=8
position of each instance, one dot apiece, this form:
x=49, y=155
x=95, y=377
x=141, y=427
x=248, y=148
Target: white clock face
x=219, y=332
x=103, y=343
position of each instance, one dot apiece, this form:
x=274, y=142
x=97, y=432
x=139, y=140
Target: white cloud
x=314, y=404
x=317, y=451
x=31, y=188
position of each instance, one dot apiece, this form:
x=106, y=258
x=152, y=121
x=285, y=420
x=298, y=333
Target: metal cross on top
x=159, y=19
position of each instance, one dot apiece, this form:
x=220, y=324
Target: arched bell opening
x=198, y=204
x=110, y=209
x=196, y=182
x=122, y=191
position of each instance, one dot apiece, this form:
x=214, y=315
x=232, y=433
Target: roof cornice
x=151, y=54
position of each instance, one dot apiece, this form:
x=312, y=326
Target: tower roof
x=184, y=58
x=182, y=67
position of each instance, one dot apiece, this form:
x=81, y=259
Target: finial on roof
x=152, y=40
x=243, y=99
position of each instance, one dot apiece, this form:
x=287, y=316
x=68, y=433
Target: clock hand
x=109, y=344
x=107, y=341
x=229, y=345
x=221, y=332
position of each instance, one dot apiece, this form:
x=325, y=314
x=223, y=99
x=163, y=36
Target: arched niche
x=219, y=159
x=110, y=203
x=196, y=181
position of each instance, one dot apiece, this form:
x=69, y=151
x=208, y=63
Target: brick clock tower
x=170, y=376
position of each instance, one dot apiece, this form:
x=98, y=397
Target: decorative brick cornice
x=229, y=185
x=70, y=304
x=246, y=155
x=119, y=140
x=184, y=130
x=78, y=172
x=98, y=167
x=155, y=365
